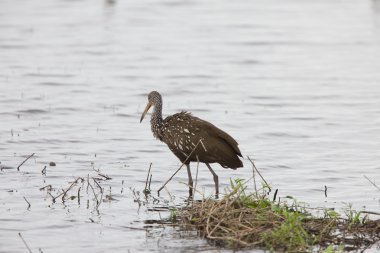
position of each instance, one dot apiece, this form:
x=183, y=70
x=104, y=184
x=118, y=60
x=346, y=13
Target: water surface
x=296, y=83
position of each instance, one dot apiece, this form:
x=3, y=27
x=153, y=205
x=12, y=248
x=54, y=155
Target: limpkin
x=183, y=132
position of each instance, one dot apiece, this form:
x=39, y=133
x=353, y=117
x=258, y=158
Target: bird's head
x=154, y=99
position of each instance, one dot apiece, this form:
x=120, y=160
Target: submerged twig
x=28, y=203
x=105, y=176
x=147, y=189
x=79, y=196
x=254, y=178
x=64, y=192
x=93, y=190
x=184, y=162
x=147, y=176
x=48, y=187
x=52, y=197
x=258, y=172
x=373, y=183
x=196, y=179
x=43, y=171
x=96, y=182
x=275, y=195
x=150, y=181
x=370, y=212
x=26, y=245
x=88, y=182
x=26, y=159
x=100, y=201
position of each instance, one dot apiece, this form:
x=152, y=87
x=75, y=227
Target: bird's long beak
x=148, y=105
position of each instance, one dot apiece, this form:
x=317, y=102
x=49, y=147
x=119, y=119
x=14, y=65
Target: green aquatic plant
x=242, y=219
x=173, y=215
x=290, y=235
x=354, y=217
x=334, y=249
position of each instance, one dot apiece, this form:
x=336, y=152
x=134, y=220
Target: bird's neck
x=156, y=119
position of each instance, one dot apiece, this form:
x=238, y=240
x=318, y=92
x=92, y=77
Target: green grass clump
x=290, y=235
x=242, y=220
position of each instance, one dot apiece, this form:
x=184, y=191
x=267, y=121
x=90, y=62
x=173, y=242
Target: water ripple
x=33, y=111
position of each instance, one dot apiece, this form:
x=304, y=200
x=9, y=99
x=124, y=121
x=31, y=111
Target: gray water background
x=296, y=83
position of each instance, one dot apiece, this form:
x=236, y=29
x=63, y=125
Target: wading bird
x=192, y=139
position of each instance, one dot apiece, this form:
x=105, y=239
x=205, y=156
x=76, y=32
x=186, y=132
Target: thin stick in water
x=48, y=187
x=105, y=176
x=150, y=181
x=93, y=190
x=196, y=179
x=26, y=245
x=43, y=172
x=28, y=203
x=79, y=196
x=68, y=189
x=52, y=197
x=99, y=202
x=373, y=183
x=254, y=179
x=147, y=176
x=275, y=195
x=187, y=158
x=96, y=182
x=18, y=167
x=258, y=172
x=369, y=212
x=88, y=182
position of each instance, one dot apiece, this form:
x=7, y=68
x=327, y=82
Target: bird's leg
x=190, y=181
x=216, y=180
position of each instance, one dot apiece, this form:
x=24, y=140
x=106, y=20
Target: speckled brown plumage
x=182, y=132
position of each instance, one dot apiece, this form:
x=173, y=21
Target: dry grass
x=241, y=220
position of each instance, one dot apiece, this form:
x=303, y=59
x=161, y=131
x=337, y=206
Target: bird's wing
x=201, y=128
x=217, y=132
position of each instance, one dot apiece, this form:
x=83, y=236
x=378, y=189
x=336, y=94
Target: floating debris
x=26, y=159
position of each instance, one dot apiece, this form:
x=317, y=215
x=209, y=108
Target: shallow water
x=297, y=83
